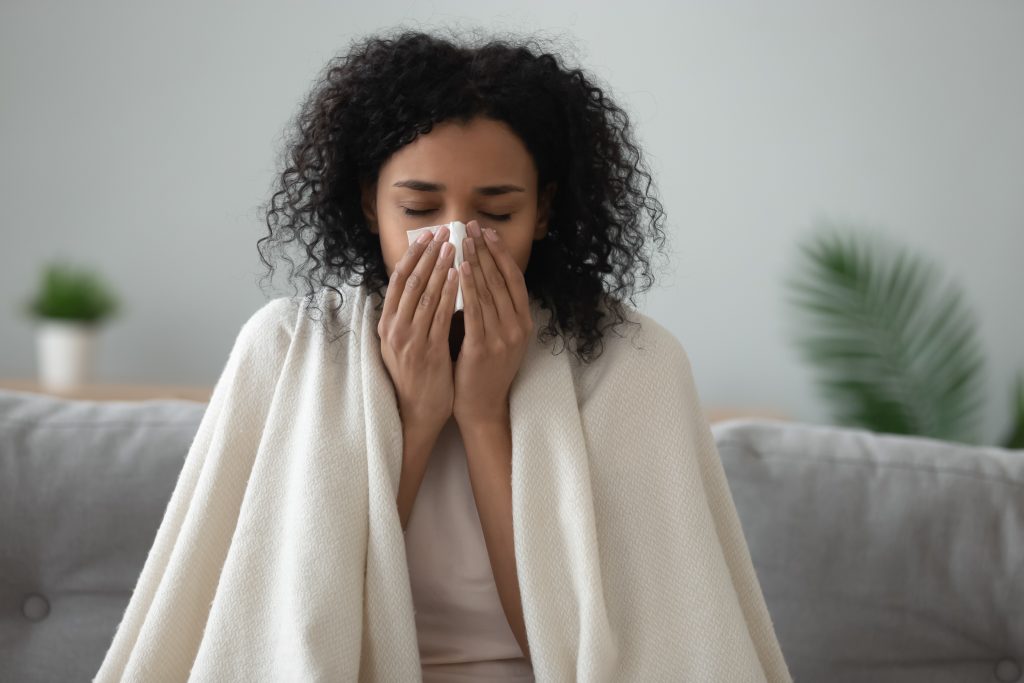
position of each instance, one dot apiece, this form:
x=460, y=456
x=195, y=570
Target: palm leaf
x=896, y=352
x=1015, y=439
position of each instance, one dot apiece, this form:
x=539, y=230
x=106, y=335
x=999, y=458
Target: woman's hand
x=498, y=328
x=413, y=330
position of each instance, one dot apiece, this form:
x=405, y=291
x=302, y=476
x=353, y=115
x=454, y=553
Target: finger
x=441, y=327
x=494, y=278
x=472, y=317
x=424, y=315
x=400, y=274
x=514, y=278
x=416, y=283
x=484, y=296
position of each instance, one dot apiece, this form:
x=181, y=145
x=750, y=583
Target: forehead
x=481, y=151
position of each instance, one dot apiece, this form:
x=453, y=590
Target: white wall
x=139, y=138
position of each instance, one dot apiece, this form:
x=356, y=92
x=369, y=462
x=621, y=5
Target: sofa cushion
x=83, y=488
x=883, y=557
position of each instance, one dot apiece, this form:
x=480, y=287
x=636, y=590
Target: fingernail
x=470, y=246
x=425, y=237
x=474, y=228
x=442, y=233
x=491, y=235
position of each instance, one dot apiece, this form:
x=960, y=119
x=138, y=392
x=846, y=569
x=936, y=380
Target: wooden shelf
x=720, y=414
x=114, y=392
x=140, y=392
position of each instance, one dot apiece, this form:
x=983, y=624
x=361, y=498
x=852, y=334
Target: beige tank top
x=461, y=627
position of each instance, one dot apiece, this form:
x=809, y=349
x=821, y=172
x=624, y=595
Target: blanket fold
x=281, y=557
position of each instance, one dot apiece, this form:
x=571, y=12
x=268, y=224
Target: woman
x=534, y=548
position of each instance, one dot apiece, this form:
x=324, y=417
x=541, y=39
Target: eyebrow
x=490, y=190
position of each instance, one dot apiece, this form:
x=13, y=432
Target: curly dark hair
x=388, y=89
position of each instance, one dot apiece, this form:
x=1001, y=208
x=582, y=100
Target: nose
x=459, y=216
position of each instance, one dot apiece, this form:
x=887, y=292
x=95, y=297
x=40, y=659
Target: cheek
x=521, y=252
x=393, y=248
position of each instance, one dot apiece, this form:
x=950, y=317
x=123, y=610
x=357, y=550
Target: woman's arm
x=489, y=455
x=417, y=445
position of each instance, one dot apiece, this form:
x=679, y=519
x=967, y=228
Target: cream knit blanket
x=281, y=557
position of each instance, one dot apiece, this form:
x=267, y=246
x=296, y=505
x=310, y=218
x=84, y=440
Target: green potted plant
x=896, y=351
x=69, y=307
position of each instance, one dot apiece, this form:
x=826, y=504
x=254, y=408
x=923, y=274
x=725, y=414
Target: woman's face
x=480, y=170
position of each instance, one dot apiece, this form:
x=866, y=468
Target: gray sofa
x=881, y=557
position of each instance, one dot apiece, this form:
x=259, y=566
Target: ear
x=544, y=210
x=368, y=192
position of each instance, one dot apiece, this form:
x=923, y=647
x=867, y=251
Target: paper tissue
x=456, y=234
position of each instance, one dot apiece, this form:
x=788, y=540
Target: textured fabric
x=458, y=611
x=83, y=485
x=281, y=556
x=911, y=567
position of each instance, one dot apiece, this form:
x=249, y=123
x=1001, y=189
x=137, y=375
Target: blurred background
x=139, y=139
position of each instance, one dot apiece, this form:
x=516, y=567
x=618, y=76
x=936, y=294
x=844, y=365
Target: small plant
x=897, y=354
x=73, y=295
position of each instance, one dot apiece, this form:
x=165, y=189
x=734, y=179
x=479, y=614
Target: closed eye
x=423, y=212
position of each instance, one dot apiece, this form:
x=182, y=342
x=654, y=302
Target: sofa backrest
x=882, y=557
x=83, y=487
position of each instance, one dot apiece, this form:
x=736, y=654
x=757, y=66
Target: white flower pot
x=66, y=353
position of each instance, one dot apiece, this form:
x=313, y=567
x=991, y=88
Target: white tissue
x=456, y=234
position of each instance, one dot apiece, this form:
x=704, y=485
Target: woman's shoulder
x=327, y=310
x=273, y=314
x=641, y=339
x=638, y=349
x=274, y=322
